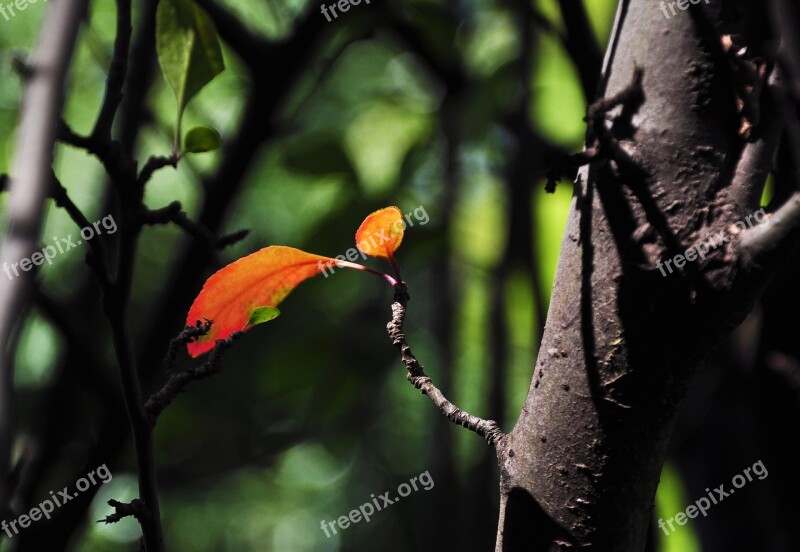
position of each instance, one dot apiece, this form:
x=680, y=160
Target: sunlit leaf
x=201, y=139
x=381, y=233
x=264, y=278
x=262, y=314
x=188, y=49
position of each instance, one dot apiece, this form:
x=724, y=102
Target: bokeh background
x=449, y=106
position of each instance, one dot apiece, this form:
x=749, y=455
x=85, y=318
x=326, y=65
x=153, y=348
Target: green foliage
x=201, y=139
x=188, y=50
x=262, y=314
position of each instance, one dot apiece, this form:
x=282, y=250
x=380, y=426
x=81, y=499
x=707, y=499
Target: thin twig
x=135, y=508
x=178, y=380
x=174, y=213
x=155, y=163
x=116, y=73
x=98, y=260
x=488, y=429
x=72, y=138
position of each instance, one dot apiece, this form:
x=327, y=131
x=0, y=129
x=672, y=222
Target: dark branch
x=116, y=72
x=177, y=381
x=188, y=335
x=136, y=508
x=99, y=259
x=155, y=163
x=581, y=44
x=174, y=213
x=72, y=138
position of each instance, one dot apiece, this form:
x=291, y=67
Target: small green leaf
x=260, y=315
x=201, y=139
x=188, y=49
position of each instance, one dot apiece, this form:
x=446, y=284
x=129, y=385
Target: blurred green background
x=312, y=413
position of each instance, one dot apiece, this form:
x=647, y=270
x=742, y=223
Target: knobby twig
x=488, y=429
x=565, y=167
x=155, y=163
x=135, y=508
x=174, y=213
x=178, y=380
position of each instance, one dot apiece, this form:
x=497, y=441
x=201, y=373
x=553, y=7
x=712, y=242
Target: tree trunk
x=622, y=341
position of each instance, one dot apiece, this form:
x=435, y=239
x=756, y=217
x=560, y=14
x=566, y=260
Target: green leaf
x=188, y=49
x=201, y=139
x=260, y=315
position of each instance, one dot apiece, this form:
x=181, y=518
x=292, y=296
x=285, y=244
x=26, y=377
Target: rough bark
x=622, y=342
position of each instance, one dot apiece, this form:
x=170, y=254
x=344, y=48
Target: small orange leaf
x=381, y=233
x=261, y=279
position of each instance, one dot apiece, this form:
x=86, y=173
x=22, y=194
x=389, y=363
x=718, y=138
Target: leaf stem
x=362, y=268
x=396, y=267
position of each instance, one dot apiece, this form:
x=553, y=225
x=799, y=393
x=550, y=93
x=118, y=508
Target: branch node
x=178, y=380
x=135, y=508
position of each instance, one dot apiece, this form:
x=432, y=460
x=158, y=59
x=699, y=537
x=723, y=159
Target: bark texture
x=622, y=341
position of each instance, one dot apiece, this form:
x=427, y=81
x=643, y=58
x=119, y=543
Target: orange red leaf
x=381, y=233
x=237, y=297
x=262, y=279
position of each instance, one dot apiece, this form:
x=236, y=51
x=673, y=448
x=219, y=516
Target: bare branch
x=174, y=213
x=99, y=261
x=765, y=237
x=582, y=46
x=177, y=381
x=154, y=164
x=116, y=73
x=136, y=508
x=488, y=429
